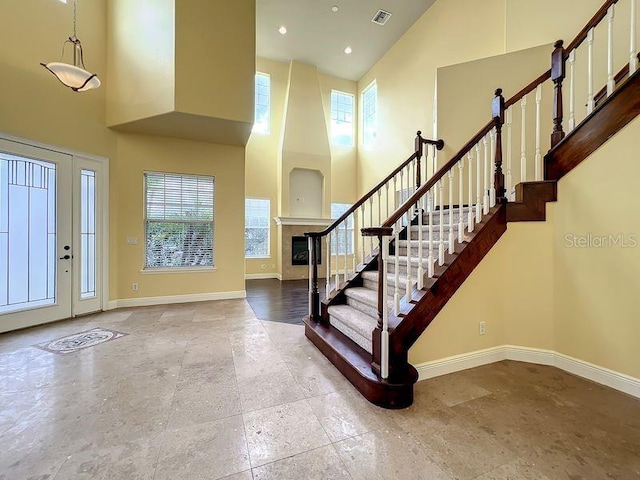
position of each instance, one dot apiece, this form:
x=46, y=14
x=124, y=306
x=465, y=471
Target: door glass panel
x=27, y=233
x=87, y=234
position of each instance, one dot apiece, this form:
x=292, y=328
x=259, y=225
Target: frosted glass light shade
x=76, y=78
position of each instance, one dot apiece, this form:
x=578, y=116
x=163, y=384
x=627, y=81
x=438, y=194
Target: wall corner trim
x=603, y=376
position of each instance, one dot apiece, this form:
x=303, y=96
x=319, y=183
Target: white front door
x=35, y=235
x=50, y=235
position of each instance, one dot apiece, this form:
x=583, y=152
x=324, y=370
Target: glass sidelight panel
x=87, y=234
x=27, y=233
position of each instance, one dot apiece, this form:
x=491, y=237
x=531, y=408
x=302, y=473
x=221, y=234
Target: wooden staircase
x=427, y=247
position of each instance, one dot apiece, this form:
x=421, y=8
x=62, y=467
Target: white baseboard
x=458, y=363
x=196, y=297
x=595, y=373
x=261, y=276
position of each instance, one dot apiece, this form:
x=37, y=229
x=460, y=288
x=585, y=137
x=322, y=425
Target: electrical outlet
x=131, y=240
x=134, y=287
x=482, y=329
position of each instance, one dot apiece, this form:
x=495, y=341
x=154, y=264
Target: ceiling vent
x=381, y=17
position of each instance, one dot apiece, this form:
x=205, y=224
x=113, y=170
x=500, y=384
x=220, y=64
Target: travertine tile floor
x=207, y=391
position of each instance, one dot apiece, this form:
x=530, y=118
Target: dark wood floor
x=279, y=301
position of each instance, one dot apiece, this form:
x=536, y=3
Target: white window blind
x=256, y=227
x=178, y=220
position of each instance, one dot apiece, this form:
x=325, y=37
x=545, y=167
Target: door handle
x=66, y=257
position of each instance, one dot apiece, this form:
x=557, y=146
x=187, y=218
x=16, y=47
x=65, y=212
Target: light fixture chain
x=75, y=8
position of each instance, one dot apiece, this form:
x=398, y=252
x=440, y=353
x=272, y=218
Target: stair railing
x=472, y=166
x=340, y=249
x=597, y=66
x=474, y=176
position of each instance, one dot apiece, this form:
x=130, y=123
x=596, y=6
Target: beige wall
x=141, y=59
x=597, y=306
x=36, y=106
x=263, y=179
x=140, y=153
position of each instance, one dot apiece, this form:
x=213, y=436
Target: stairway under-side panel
x=433, y=299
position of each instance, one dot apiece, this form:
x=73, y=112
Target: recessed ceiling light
x=335, y=8
x=283, y=30
x=348, y=50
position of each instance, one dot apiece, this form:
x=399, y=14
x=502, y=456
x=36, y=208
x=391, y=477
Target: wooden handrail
x=432, y=181
x=439, y=144
x=595, y=20
x=359, y=203
x=528, y=89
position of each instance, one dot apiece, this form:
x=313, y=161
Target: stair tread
x=363, y=295
x=358, y=321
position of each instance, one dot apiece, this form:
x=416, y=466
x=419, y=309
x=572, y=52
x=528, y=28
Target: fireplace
x=300, y=251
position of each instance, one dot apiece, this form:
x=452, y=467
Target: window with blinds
x=178, y=220
x=256, y=227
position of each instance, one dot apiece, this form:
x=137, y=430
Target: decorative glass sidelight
x=87, y=234
x=27, y=233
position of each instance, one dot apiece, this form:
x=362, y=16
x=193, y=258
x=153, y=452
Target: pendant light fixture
x=75, y=76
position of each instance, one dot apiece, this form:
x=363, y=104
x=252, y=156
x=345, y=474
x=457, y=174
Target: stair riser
x=370, y=310
x=352, y=334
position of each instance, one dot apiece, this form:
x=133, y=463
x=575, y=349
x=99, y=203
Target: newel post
x=419, y=151
x=497, y=109
x=314, y=294
x=558, y=72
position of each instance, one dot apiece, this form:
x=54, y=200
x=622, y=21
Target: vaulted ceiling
x=318, y=35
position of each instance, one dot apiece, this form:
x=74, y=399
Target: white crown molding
x=604, y=376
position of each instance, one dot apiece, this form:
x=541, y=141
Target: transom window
x=338, y=241
x=256, y=227
x=341, y=118
x=369, y=113
x=179, y=217
x=263, y=104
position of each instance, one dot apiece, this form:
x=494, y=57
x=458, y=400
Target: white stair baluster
x=362, y=225
x=346, y=234
x=353, y=240
x=470, y=220
x=395, y=192
x=478, y=185
x=379, y=207
x=452, y=237
x=432, y=260
x=590, y=99
x=420, y=252
x=387, y=200
x=633, y=50
x=509, y=176
x=400, y=201
x=492, y=165
x=461, y=201
x=485, y=196
x=336, y=256
x=538, y=158
x=611, y=82
x=396, y=271
x=441, y=239
x=572, y=90
x=328, y=260
x=409, y=283
x=523, y=140
x=371, y=224
x=384, y=340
